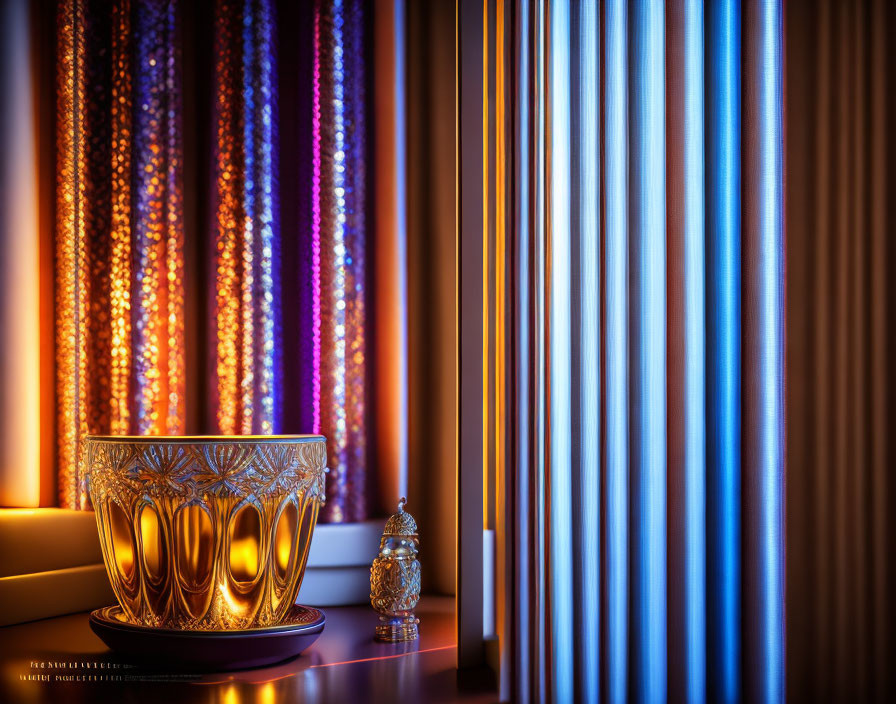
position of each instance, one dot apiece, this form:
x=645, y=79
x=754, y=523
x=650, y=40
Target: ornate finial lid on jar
x=395, y=579
x=401, y=523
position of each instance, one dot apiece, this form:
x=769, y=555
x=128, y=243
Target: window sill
x=51, y=564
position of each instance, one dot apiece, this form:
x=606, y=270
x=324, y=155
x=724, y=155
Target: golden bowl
x=206, y=532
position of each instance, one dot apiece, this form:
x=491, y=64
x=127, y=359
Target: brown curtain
x=841, y=208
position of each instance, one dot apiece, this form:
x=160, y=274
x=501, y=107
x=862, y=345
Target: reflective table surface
x=60, y=659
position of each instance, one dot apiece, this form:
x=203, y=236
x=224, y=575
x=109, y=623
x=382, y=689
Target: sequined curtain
x=253, y=310
x=247, y=374
x=119, y=262
x=163, y=239
x=339, y=257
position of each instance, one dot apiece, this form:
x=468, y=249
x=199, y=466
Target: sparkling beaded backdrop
x=247, y=375
x=119, y=248
x=338, y=241
x=135, y=227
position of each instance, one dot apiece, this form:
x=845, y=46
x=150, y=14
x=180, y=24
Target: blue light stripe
x=616, y=150
x=770, y=538
x=695, y=344
x=401, y=236
x=541, y=649
x=648, y=359
x=723, y=351
x=270, y=326
x=560, y=351
x=588, y=500
x=262, y=228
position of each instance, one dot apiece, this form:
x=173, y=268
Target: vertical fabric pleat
x=340, y=254
x=559, y=360
x=540, y=424
x=844, y=643
x=231, y=413
x=261, y=140
x=585, y=279
x=857, y=335
x=647, y=360
x=616, y=341
x=723, y=335
x=530, y=681
x=121, y=254
x=686, y=372
x=247, y=373
x=880, y=382
x=523, y=664
x=638, y=579
x=157, y=338
x=840, y=198
x=119, y=244
x=71, y=252
x=802, y=392
x=763, y=354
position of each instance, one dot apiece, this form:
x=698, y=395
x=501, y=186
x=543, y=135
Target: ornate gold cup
x=206, y=533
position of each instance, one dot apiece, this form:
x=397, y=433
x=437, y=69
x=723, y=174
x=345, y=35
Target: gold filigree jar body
x=206, y=533
x=395, y=579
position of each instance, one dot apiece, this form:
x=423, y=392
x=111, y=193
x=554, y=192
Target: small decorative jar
x=395, y=579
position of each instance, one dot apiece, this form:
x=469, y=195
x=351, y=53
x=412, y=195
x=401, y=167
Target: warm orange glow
x=494, y=253
x=500, y=317
x=19, y=272
x=153, y=543
x=390, y=273
x=267, y=694
x=456, y=320
x=383, y=657
x=231, y=695
x=123, y=550
x=245, y=538
x=234, y=603
x=120, y=264
x=485, y=258
x=500, y=241
x=71, y=256
x=283, y=541
x=194, y=548
x=233, y=341
x=119, y=252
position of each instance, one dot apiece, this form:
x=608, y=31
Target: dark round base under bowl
x=210, y=650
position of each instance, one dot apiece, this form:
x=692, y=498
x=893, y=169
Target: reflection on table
x=61, y=658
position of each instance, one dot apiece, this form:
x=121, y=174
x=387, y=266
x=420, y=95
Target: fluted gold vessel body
x=206, y=533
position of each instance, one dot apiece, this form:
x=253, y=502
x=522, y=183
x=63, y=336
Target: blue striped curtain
x=646, y=493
